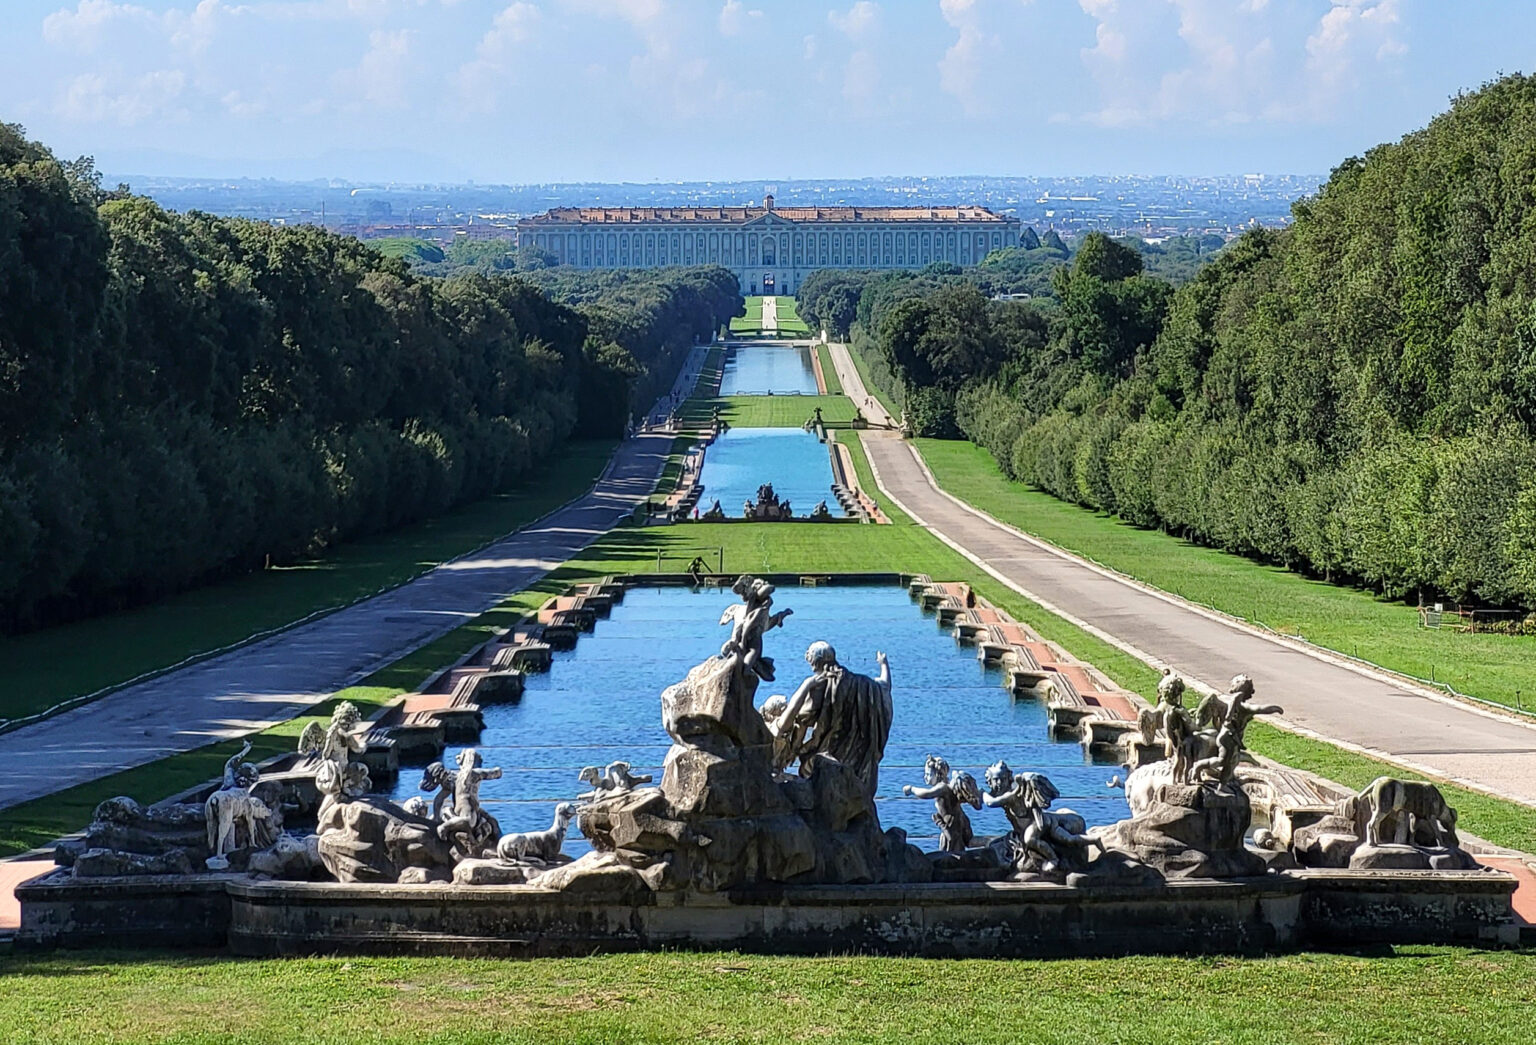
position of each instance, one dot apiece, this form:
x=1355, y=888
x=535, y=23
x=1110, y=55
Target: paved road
x=770, y=322
x=1326, y=697
x=853, y=387
x=266, y=682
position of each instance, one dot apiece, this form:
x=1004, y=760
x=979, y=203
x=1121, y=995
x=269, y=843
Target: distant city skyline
x=657, y=91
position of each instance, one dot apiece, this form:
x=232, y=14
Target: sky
x=538, y=91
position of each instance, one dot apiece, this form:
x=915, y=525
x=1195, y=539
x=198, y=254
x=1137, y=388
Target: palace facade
x=770, y=249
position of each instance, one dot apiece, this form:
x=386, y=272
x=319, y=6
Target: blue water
x=742, y=459
x=601, y=702
x=754, y=370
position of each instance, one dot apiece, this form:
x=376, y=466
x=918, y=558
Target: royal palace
x=770, y=249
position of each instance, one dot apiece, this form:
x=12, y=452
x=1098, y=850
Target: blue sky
x=643, y=90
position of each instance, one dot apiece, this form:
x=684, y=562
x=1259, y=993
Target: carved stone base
x=1185, y=830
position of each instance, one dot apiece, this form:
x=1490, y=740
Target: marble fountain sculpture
x=762, y=805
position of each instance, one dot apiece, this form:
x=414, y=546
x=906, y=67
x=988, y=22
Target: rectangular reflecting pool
x=742, y=459
x=601, y=702
x=754, y=370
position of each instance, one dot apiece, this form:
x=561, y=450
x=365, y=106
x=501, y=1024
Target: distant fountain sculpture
x=768, y=507
x=821, y=513
x=951, y=791
x=715, y=513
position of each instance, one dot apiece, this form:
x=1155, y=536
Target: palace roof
x=743, y=215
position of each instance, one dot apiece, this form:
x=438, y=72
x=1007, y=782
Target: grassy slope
x=829, y=371
x=1421, y=994
x=1344, y=619
x=45, y=667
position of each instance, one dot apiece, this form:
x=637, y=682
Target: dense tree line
x=184, y=396
x=1353, y=396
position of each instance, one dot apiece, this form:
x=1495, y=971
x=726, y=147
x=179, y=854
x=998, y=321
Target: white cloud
x=100, y=97
x=862, y=70
x=1215, y=61
x=858, y=22
x=382, y=76
x=495, y=64
x=736, y=18
x=91, y=21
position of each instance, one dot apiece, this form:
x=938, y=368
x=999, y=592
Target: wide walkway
x=770, y=322
x=1330, y=698
x=263, y=683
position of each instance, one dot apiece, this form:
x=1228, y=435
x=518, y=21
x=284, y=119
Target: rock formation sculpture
x=951, y=791
x=821, y=513
x=126, y=838
x=715, y=512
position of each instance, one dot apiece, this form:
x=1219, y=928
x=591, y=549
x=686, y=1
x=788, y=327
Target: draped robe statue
x=848, y=715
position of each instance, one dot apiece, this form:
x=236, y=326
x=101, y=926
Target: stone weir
x=763, y=835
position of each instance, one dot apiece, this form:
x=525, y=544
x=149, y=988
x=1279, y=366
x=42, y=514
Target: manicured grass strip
x=753, y=320
x=769, y=411
x=46, y=667
x=1353, y=622
x=790, y=322
x=1418, y=994
x=862, y=366
x=829, y=372
x=672, y=471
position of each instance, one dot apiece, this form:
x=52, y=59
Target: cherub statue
x=1041, y=840
x=1235, y=715
x=338, y=778
x=467, y=826
x=847, y=715
x=236, y=818
x=951, y=792
x=821, y=512
x=747, y=511
x=750, y=620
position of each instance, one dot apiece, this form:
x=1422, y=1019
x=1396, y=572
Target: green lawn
x=1410, y=994
x=752, y=321
x=769, y=411
x=45, y=667
x=789, y=318
x=828, y=371
x=1348, y=620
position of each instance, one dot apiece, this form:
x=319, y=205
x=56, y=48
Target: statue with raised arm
x=951, y=792
x=750, y=620
x=467, y=826
x=1041, y=840
x=1235, y=715
x=847, y=715
x=338, y=778
x=236, y=818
